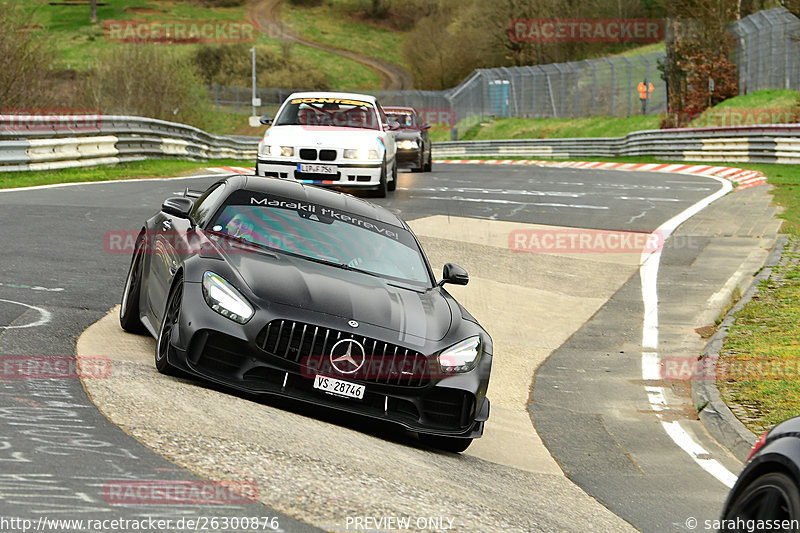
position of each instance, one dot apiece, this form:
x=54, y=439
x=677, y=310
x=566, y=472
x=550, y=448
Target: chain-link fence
x=607, y=86
x=767, y=56
x=768, y=50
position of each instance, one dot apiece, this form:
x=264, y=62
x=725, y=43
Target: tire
x=172, y=313
x=773, y=496
x=380, y=192
x=447, y=444
x=392, y=185
x=129, y=306
x=420, y=164
x=429, y=165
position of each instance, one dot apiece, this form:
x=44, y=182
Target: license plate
x=317, y=169
x=339, y=387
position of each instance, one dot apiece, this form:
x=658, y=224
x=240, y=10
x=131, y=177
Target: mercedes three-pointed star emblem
x=348, y=356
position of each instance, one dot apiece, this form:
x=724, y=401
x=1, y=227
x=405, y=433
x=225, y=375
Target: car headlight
x=360, y=153
x=407, y=144
x=282, y=151
x=461, y=357
x=225, y=300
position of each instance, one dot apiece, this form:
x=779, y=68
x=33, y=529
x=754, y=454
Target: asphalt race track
x=58, y=452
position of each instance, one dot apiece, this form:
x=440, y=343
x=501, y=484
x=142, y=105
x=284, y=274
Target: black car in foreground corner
x=766, y=497
x=413, y=140
x=274, y=287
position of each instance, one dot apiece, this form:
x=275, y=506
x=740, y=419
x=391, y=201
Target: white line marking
x=133, y=180
x=685, y=441
x=44, y=318
x=507, y=202
x=651, y=369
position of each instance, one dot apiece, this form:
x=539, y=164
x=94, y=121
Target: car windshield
x=336, y=112
x=405, y=119
x=322, y=233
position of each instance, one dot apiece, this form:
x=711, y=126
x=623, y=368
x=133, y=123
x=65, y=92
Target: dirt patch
x=144, y=10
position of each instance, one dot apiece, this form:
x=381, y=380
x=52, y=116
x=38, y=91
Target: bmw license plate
x=317, y=169
x=339, y=387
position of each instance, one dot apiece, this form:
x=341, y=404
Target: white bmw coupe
x=330, y=139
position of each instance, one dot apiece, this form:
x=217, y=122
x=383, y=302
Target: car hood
x=415, y=315
x=407, y=134
x=323, y=136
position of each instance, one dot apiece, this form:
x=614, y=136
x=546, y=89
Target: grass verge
x=153, y=168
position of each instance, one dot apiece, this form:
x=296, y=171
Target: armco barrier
x=775, y=143
x=37, y=142
x=29, y=142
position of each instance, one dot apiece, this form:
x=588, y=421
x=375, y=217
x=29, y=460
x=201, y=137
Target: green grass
x=153, y=168
x=550, y=128
x=333, y=23
x=77, y=43
x=760, y=107
x=756, y=108
x=762, y=351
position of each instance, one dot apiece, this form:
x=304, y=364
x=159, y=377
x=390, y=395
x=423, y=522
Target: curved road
x=60, y=276
x=266, y=15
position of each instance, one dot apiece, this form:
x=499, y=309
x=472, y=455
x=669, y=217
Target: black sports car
x=279, y=288
x=767, y=494
x=412, y=139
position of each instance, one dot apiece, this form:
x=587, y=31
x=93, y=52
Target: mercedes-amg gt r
x=275, y=287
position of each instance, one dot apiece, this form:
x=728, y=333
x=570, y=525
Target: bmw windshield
x=338, y=112
x=323, y=234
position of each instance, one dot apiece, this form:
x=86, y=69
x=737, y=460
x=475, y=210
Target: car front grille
x=311, y=347
x=310, y=154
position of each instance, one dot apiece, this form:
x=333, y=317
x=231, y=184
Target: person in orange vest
x=644, y=89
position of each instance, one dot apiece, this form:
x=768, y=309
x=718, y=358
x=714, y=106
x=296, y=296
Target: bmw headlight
x=407, y=144
x=360, y=153
x=279, y=151
x=461, y=357
x=225, y=300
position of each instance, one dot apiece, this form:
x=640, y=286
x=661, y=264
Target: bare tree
x=93, y=18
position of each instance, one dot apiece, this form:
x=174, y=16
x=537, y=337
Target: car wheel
x=448, y=444
x=380, y=192
x=172, y=314
x=129, y=308
x=429, y=165
x=392, y=185
x=770, y=497
x=420, y=164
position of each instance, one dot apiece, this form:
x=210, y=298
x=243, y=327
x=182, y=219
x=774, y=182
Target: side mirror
x=393, y=126
x=425, y=127
x=265, y=120
x=454, y=274
x=178, y=206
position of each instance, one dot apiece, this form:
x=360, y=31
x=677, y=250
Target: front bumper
x=212, y=347
x=409, y=158
x=356, y=175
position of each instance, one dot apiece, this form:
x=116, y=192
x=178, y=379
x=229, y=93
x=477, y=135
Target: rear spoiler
x=189, y=193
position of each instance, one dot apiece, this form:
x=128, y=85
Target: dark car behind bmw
x=278, y=288
x=413, y=139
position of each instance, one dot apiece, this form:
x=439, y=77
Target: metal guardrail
x=25, y=144
x=774, y=143
x=37, y=142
